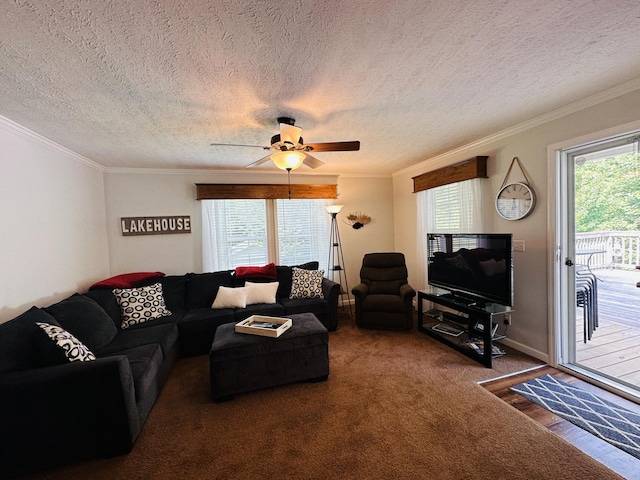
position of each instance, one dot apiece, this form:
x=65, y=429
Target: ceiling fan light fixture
x=287, y=160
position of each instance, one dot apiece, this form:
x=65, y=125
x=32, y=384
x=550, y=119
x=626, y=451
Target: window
x=257, y=232
x=303, y=233
x=451, y=208
x=454, y=208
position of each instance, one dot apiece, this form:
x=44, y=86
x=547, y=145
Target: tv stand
x=472, y=302
x=462, y=324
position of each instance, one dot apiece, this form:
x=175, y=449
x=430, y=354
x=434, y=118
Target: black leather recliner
x=384, y=297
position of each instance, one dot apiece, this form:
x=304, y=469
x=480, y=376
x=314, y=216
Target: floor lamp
x=336, y=272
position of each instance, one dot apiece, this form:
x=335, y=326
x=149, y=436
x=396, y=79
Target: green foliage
x=608, y=194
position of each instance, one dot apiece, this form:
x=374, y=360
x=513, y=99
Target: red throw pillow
x=126, y=280
x=268, y=271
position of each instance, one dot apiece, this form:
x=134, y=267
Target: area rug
x=606, y=420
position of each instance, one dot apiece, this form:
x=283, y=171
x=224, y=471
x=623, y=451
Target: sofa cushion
x=68, y=348
x=197, y=328
x=203, y=287
x=142, y=304
x=145, y=362
x=261, y=292
x=318, y=306
x=200, y=320
x=164, y=335
x=105, y=298
x=174, y=288
x=306, y=283
x=19, y=341
x=268, y=271
x=85, y=319
x=231, y=298
x=126, y=280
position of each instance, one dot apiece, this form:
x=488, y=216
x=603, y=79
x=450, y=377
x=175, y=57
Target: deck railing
x=608, y=249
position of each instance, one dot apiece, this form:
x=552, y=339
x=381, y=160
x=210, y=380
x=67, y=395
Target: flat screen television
x=476, y=268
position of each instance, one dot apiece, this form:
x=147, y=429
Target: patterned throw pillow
x=74, y=350
x=306, y=283
x=142, y=304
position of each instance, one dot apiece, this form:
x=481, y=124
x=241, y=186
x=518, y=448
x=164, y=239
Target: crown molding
x=231, y=175
x=569, y=109
x=234, y=173
x=19, y=130
x=365, y=175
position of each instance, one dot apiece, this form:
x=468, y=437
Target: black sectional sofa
x=54, y=411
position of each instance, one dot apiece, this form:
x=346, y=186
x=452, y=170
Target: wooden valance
x=224, y=191
x=473, y=168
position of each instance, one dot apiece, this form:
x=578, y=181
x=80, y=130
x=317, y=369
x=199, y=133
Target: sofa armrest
x=407, y=292
x=331, y=292
x=64, y=413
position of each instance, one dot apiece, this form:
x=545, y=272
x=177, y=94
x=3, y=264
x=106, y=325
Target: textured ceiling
x=150, y=84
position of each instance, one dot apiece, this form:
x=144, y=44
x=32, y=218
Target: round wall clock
x=515, y=201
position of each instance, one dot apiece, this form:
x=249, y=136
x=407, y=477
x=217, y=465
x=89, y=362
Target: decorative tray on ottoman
x=265, y=326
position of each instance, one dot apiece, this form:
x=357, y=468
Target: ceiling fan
x=289, y=150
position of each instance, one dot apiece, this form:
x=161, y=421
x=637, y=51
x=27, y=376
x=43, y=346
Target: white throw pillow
x=261, y=292
x=231, y=298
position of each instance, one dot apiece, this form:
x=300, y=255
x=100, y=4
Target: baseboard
x=524, y=349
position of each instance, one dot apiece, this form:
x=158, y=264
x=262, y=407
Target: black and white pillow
x=142, y=304
x=74, y=350
x=306, y=283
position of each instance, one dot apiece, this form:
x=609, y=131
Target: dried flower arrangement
x=358, y=220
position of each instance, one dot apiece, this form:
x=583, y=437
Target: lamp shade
x=333, y=208
x=287, y=160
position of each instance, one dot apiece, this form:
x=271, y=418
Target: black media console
x=462, y=324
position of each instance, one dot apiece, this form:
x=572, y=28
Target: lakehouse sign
x=155, y=225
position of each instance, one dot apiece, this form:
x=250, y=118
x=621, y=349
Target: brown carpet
x=397, y=405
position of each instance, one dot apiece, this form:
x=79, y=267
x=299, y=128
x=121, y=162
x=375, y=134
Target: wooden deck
x=614, y=349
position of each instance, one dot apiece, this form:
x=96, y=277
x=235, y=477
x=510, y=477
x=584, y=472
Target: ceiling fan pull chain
x=289, y=180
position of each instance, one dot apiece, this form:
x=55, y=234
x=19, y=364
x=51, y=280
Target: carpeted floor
x=396, y=405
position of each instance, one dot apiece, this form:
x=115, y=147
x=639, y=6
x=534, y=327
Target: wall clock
x=515, y=200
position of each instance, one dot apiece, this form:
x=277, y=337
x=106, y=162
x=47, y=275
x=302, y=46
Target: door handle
x=568, y=262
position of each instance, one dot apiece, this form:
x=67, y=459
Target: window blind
x=303, y=232
x=257, y=232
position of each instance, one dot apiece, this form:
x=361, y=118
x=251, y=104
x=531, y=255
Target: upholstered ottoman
x=240, y=362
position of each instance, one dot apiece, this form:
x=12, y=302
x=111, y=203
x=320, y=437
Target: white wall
x=52, y=212
x=530, y=319
x=132, y=193
x=374, y=197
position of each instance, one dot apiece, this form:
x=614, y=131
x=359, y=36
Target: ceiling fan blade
x=311, y=162
x=257, y=163
x=290, y=133
x=333, y=147
x=237, y=145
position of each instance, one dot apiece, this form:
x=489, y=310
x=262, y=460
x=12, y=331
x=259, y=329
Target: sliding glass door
x=597, y=255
